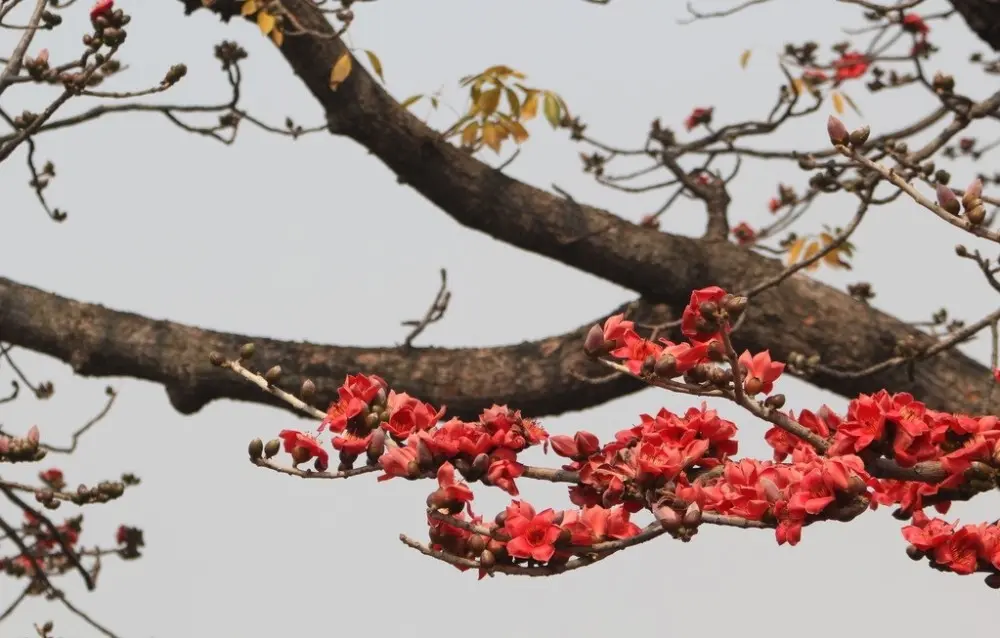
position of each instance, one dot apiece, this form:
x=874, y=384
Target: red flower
x=103, y=7
x=454, y=490
x=532, y=535
x=850, y=66
x=774, y=205
x=864, y=425
x=53, y=478
x=744, y=234
x=913, y=23
x=121, y=536
x=579, y=446
x=504, y=468
x=996, y=374
x=691, y=319
x=698, y=116
x=761, y=372
x=400, y=461
x=356, y=393
x=960, y=552
x=407, y=415
x=304, y=447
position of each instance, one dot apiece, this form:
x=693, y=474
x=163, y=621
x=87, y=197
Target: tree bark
x=798, y=316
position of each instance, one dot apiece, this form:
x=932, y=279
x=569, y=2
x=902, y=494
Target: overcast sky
x=315, y=240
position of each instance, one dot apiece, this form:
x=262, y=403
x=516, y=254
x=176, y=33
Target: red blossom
x=102, y=8
x=850, y=66
x=915, y=24
x=304, y=447
x=744, y=234
x=453, y=489
x=698, y=116
x=761, y=372
x=774, y=205
x=532, y=535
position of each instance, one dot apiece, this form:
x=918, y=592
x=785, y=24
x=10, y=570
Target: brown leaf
x=744, y=59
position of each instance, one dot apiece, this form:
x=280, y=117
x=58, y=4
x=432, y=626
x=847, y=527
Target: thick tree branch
x=983, y=17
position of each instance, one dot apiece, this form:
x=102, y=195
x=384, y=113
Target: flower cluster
x=963, y=550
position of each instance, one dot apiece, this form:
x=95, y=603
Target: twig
x=435, y=312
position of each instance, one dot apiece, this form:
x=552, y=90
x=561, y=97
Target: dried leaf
x=514, y=103
x=530, y=107
x=376, y=64
x=470, y=133
x=744, y=59
x=491, y=136
x=278, y=37
x=410, y=101
x=248, y=8
x=266, y=22
x=798, y=86
x=795, y=250
x=551, y=108
x=488, y=102
x=434, y=101
x=811, y=251
x=341, y=70
x=838, y=102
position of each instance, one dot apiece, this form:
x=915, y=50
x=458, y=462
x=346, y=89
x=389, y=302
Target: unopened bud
x=913, y=552
x=413, y=470
x=961, y=251
x=775, y=401
x=946, y=198
x=752, y=386
x=424, y=455
x=771, y=490
x=246, y=352
x=594, y=344
x=256, y=449
x=175, y=73
x=216, y=358
x=308, y=390
x=709, y=310
x=300, y=454
x=692, y=515
x=665, y=366
x=273, y=447
x=860, y=135
x=668, y=518
x=972, y=194
x=735, y=306
x=837, y=131
x=480, y=465
x=477, y=543
x=977, y=215
x=273, y=374
x=376, y=446
x=992, y=581
x=487, y=560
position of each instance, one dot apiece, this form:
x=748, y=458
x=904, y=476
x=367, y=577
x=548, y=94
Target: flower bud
x=775, y=401
x=216, y=359
x=300, y=455
x=771, y=490
x=735, y=306
x=709, y=310
x=992, y=581
x=860, y=135
x=668, y=518
x=480, y=465
x=665, y=366
x=247, y=351
x=376, y=446
x=972, y=194
x=977, y=215
x=272, y=448
x=752, y=386
x=308, y=390
x=913, y=552
x=272, y=375
x=946, y=198
x=424, y=455
x=837, y=131
x=487, y=560
x=961, y=251
x=413, y=470
x=256, y=449
x=594, y=344
x=692, y=515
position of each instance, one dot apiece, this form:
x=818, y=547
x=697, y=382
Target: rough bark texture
x=983, y=17
x=800, y=315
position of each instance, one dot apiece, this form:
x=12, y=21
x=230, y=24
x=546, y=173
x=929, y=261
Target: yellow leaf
x=491, y=136
x=515, y=104
x=795, y=250
x=376, y=64
x=847, y=98
x=265, y=21
x=518, y=131
x=551, y=109
x=248, y=8
x=470, y=133
x=488, y=101
x=744, y=59
x=838, y=102
x=798, y=85
x=410, y=101
x=530, y=107
x=277, y=37
x=341, y=70
x=811, y=252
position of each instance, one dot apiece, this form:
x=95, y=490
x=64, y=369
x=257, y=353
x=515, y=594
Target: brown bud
x=992, y=581
x=175, y=73
x=946, y=198
x=272, y=448
x=424, y=455
x=413, y=470
x=594, y=345
x=273, y=375
x=668, y=518
x=500, y=518
x=973, y=194
x=477, y=543
x=942, y=176
x=480, y=465
x=709, y=310
x=665, y=366
x=913, y=552
x=216, y=358
x=977, y=215
x=256, y=449
x=837, y=131
x=308, y=390
x=487, y=560
x=692, y=515
x=376, y=446
x=735, y=306
x=47, y=627
x=961, y=251
x=565, y=536
x=771, y=490
x=860, y=135
x=247, y=351
x=775, y=401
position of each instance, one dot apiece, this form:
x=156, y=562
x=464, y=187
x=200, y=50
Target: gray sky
x=315, y=240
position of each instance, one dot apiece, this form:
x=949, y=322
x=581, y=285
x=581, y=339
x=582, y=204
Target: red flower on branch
x=532, y=535
x=699, y=116
x=304, y=447
x=850, y=66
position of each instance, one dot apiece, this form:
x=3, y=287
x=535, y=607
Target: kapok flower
x=453, y=490
x=400, y=461
x=532, y=535
x=774, y=205
x=699, y=116
x=761, y=372
x=304, y=447
x=850, y=66
x=744, y=234
x=103, y=7
x=913, y=23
